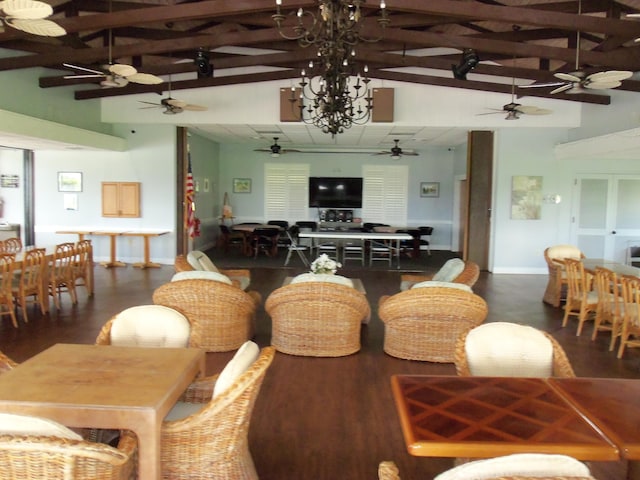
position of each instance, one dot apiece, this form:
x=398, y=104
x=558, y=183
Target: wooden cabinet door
x=121, y=199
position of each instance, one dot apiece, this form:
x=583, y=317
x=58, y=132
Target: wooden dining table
x=618, y=268
x=95, y=386
x=592, y=419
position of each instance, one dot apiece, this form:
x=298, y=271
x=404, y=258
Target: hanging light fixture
x=337, y=94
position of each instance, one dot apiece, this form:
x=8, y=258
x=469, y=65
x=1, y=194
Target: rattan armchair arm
x=182, y=265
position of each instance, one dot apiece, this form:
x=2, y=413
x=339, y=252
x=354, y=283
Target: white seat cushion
x=241, y=361
x=12, y=424
x=150, y=326
x=199, y=261
x=521, y=464
x=564, y=251
x=508, y=350
x=322, y=277
x=449, y=271
x=433, y=284
x=182, y=410
x=201, y=275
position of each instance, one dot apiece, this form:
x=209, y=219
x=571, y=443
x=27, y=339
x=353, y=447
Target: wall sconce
x=552, y=198
x=469, y=61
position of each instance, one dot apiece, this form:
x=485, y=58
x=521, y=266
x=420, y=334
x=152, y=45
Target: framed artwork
x=526, y=197
x=241, y=185
x=69, y=181
x=430, y=189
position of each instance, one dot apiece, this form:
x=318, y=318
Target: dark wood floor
x=324, y=418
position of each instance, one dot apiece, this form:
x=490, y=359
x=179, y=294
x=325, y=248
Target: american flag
x=190, y=200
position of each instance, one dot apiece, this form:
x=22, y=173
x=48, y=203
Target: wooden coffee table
x=104, y=387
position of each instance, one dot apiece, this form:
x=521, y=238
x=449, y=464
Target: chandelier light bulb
x=382, y=4
x=278, y=2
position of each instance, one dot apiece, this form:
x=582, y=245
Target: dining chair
x=7, y=304
x=610, y=306
x=12, y=245
x=30, y=285
x=222, y=316
x=380, y=251
x=510, y=350
x=61, y=273
x=228, y=239
x=425, y=237
x=557, y=283
x=353, y=250
x=265, y=240
x=630, y=335
x=294, y=246
x=83, y=266
x=35, y=448
x=582, y=299
x=206, y=434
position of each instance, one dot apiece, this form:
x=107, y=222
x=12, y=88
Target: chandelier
x=336, y=93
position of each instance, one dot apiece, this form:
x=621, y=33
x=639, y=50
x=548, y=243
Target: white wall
x=150, y=160
x=12, y=199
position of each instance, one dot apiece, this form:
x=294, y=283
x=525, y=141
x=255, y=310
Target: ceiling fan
x=580, y=81
x=396, y=152
x=275, y=149
x=29, y=16
x=114, y=75
x=514, y=110
x=172, y=105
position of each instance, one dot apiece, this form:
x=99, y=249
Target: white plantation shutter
x=286, y=191
x=384, y=194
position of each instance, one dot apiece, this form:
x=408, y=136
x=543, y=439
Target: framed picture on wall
x=69, y=181
x=241, y=185
x=430, y=189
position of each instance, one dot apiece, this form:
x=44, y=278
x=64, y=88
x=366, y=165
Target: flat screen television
x=335, y=192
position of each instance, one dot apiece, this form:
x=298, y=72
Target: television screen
x=335, y=192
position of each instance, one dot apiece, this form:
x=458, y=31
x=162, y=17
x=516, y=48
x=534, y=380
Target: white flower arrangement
x=324, y=264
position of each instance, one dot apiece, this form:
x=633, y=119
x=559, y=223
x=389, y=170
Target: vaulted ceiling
x=526, y=39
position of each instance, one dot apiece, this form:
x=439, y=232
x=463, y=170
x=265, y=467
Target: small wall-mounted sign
x=9, y=181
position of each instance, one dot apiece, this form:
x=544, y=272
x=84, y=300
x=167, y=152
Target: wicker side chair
x=221, y=315
x=553, y=256
x=509, y=349
x=425, y=323
x=317, y=319
x=215, y=438
x=24, y=457
x=469, y=276
x=241, y=275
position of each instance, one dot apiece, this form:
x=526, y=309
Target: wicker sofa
x=425, y=323
x=317, y=319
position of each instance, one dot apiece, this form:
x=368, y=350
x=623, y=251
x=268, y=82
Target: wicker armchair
x=317, y=319
x=221, y=315
x=24, y=457
x=240, y=276
x=510, y=350
x=557, y=276
x=425, y=323
x=213, y=443
x=468, y=276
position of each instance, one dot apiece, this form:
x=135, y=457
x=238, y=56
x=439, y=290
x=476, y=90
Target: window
x=384, y=195
x=286, y=191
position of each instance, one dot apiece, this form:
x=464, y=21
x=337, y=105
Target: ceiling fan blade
x=603, y=85
x=83, y=69
x=564, y=88
x=533, y=110
x=86, y=75
x=122, y=69
x=538, y=85
x=26, y=9
x=42, y=28
x=568, y=77
x=610, y=76
x=150, y=103
x=196, y=108
x=144, y=79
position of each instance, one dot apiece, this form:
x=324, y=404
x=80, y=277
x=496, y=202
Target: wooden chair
x=469, y=276
x=554, y=257
x=61, y=273
x=12, y=245
x=31, y=282
x=425, y=323
x=582, y=300
x=317, y=319
x=610, y=306
x=510, y=350
x=213, y=442
x=28, y=457
x=221, y=315
x=83, y=266
x=630, y=334
x=7, y=267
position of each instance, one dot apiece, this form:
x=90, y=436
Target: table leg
x=398, y=253
x=149, y=465
x=113, y=262
x=147, y=260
